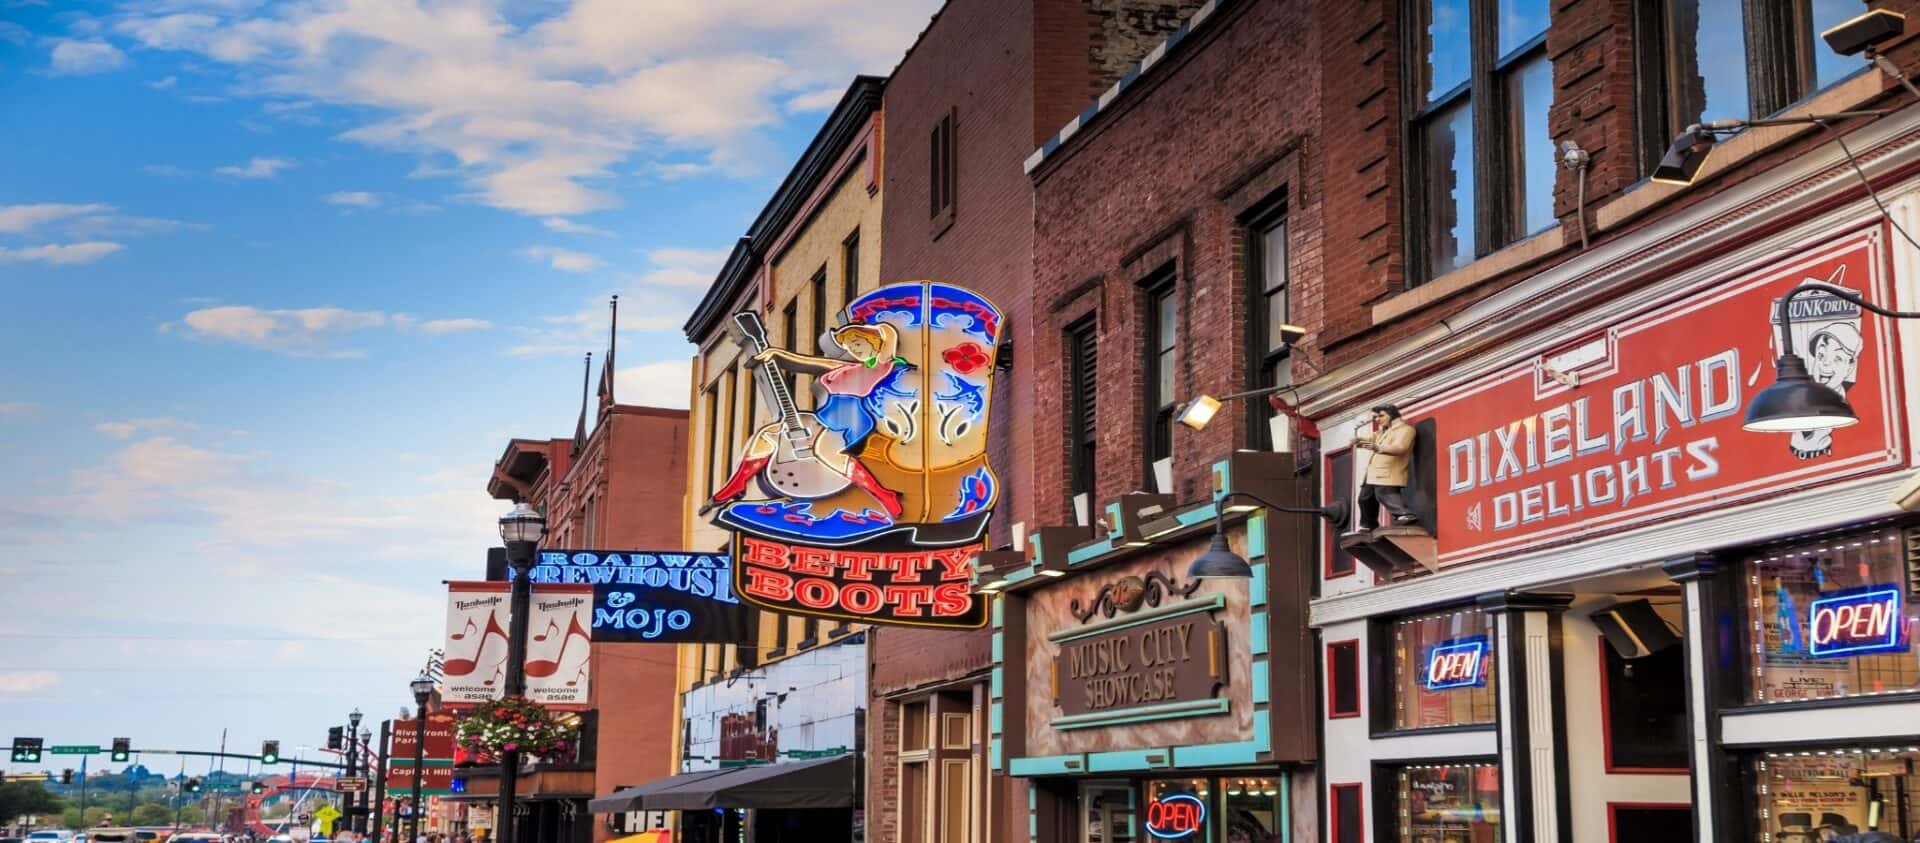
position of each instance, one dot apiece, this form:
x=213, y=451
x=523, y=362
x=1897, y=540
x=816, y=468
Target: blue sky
x=281, y=279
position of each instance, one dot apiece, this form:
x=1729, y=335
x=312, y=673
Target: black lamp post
x=353, y=757
x=521, y=529
x=1795, y=401
x=422, y=691
x=366, y=772
x=1220, y=561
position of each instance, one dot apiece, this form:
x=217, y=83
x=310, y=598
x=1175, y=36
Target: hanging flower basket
x=516, y=723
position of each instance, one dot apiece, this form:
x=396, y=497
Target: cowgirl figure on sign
x=845, y=412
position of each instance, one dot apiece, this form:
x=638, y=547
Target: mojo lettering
x=649, y=623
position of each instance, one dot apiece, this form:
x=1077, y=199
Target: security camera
x=1907, y=497
x=1290, y=334
x=1865, y=32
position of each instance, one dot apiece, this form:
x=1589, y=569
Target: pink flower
x=510, y=746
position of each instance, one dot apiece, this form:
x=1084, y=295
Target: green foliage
x=95, y=815
x=18, y=799
x=192, y=815
x=152, y=814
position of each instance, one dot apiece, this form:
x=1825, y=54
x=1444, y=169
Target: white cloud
x=82, y=57
x=689, y=268
x=661, y=384
x=565, y=260
x=677, y=170
x=534, y=109
x=354, y=199
x=256, y=168
x=131, y=427
x=60, y=253
x=305, y=332
x=27, y=681
x=18, y=408
x=15, y=219
x=567, y=226
x=164, y=83
x=438, y=327
x=821, y=100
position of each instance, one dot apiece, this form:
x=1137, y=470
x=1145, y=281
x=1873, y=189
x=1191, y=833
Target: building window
x=1820, y=794
x=1831, y=618
x=818, y=289
x=1447, y=802
x=1267, y=312
x=727, y=434
x=790, y=332
x=716, y=471
x=1178, y=809
x=1159, y=358
x=1348, y=820
x=1082, y=399
x=1701, y=60
x=590, y=529
x=1343, y=679
x=1444, y=670
x=850, y=268
x=940, y=176
x=1481, y=166
x=809, y=633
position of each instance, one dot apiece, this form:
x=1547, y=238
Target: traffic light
x=66, y=776
x=257, y=788
x=336, y=737
x=26, y=750
x=269, y=752
x=122, y=749
x=193, y=785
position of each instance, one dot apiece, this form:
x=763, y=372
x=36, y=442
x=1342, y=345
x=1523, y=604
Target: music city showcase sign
x=868, y=504
x=654, y=596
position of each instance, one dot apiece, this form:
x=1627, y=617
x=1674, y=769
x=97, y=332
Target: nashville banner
x=558, y=645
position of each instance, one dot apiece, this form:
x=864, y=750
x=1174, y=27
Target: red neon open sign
x=1175, y=817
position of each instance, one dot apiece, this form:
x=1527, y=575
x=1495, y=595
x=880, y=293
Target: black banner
x=655, y=596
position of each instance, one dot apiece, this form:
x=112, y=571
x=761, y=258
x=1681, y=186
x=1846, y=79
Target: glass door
x=1107, y=813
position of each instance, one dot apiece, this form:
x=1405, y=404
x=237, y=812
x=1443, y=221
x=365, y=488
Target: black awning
x=634, y=798
x=819, y=783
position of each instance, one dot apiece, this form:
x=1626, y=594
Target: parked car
x=111, y=835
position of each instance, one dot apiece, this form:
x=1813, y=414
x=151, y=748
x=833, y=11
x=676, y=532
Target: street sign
x=74, y=749
x=350, y=784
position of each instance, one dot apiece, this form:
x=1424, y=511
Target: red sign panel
x=919, y=587
x=1653, y=428
x=439, y=737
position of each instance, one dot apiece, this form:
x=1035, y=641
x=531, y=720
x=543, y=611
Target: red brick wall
x=1163, y=176
x=1592, y=48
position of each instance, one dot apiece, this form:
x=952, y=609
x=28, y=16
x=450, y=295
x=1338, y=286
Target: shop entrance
x=1108, y=812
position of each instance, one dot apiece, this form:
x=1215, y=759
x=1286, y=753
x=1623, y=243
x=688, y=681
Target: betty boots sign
x=1651, y=428
x=868, y=507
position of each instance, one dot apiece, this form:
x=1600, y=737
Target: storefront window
x=1830, y=618
x=1109, y=812
x=1818, y=795
x=1253, y=811
x=1454, y=803
x=1177, y=809
x=1444, y=671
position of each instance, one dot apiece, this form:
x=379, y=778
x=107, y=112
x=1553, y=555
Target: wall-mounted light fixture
x=1689, y=150
x=1795, y=401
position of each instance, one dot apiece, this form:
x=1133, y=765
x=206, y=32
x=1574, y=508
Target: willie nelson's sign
x=868, y=504
x=1653, y=427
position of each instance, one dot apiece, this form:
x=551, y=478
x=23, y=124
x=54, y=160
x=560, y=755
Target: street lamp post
x=367, y=771
x=353, y=755
x=422, y=690
x=521, y=529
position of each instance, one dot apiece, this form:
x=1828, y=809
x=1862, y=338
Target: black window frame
x=1264, y=360
x=942, y=171
x=819, y=291
x=1157, y=422
x=850, y=268
x=1496, y=172
x=790, y=325
x=1782, y=45
x=1083, y=406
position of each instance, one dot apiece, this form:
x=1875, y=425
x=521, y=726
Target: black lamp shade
x=1684, y=158
x=1219, y=561
x=1795, y=402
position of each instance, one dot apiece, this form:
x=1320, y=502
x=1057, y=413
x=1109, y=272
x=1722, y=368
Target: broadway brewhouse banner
x=654, y=596
x=1653, y=428
x=558, y=644
x=870, y=507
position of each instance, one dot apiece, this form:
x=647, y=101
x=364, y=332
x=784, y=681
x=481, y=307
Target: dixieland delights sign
x=1652, y=429
x=870, y=505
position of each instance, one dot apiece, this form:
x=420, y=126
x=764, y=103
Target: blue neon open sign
x=1855, y=622
x=1460, y=663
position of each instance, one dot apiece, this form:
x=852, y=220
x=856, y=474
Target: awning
x=633, y=798
x=660, y=836
x=819, y=783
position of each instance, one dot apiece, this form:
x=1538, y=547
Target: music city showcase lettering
x=1652, y=408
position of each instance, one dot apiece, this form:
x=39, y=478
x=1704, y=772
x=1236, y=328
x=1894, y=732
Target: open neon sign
x=1176, y=817
x=1856, y=622
x=1460, y=663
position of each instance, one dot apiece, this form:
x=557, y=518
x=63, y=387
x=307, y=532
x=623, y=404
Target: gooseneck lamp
x=1795, y=401
x=1219, y=560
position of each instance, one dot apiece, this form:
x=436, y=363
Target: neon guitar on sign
x=1176, y=817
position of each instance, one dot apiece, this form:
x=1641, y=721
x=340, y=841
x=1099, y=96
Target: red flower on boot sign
x=965, y=357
